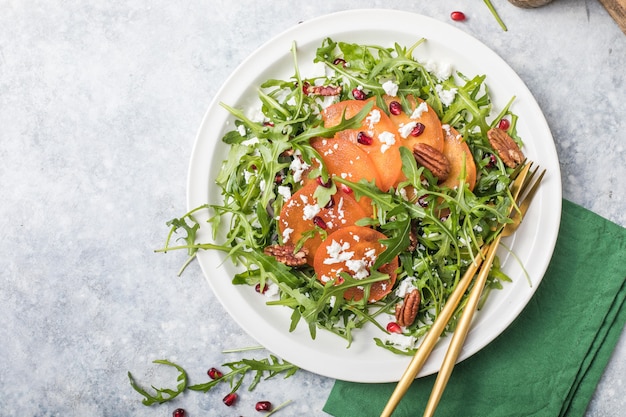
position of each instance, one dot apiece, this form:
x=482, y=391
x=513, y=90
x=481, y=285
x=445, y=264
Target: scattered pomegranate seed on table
x=457, y=16
x=263, y=406
x=230, y=399
x=214, y=373
x=179, y=412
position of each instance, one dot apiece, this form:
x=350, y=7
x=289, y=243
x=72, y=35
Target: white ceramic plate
x=533, y=244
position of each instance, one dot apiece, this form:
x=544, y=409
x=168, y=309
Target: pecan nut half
x=433, y=160
x=407, y=311
x=287, y=255
x=506, y=147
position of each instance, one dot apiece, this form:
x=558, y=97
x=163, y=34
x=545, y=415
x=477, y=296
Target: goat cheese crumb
x=359, y=267
x=250, y=142
x=373, y=118
x=400, y=341
x=338, y=253
x=284, y=191
x=446, y=96
x=390, y=88
x=271, y=289
x=406, y=129
x=310, y=211
x=419, y=110
x=242, y=130
x=287, y=234
x=298, y=167
x=405, y=287
x=388, y=139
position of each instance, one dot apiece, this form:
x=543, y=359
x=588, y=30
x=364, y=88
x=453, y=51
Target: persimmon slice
x=348, y=161
x=460, y=156
x=354, y=249
x=380, y=142
x=301, y=214
x=420, y=112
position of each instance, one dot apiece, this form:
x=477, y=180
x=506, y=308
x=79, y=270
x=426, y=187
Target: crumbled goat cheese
x=298, y=167
x=390, y=88
x=285, y=192
x=405, y=287
x=446, y=96
x=441, y=70
x=338, y=253
x=310, y=211
x=406, y=129
x=271, y=289
x=388, y=139
x=242, y=130
x=419, y=110
x=373, y=118
x=287, y=234
x=359, y=267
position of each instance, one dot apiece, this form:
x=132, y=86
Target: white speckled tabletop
x=99, y=106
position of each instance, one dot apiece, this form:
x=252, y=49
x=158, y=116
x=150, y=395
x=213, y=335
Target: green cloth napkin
x=550, y=359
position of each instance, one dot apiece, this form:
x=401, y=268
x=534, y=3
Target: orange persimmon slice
x=354, y=250
x=376, y=137
x=348, y=161
x=460, y=156
x=301, y=214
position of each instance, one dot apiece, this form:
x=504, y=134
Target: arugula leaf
x=161, y=395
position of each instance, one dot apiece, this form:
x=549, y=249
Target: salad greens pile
x=435, y=237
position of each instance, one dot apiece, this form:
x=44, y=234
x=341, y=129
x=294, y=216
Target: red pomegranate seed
x=230, y=399
x=305, y=88
x=418, y=129
x=345, y=188
x=364, y=139
x=395, y=108
x=394, y=327
x=358, y=94
x=338, y=61
x=260, y=290
x=457, y=16
x=492, y=160
x=319, y=222
x=270, y=124
x=179, y=412
x=330, y=204
x=326, y=184
x=214, y=373
x=504, y=124
x=263, y=406
x=423, y=201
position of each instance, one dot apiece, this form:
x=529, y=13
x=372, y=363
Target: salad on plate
x=358, y=194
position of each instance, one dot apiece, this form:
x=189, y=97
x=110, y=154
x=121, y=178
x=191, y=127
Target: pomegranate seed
x=330, y=204
x=423, y=201
x=394, y=327
x=179, y=412
x=263, y=406
x=364, y=139
x=305, y=88
x=418, y=129
x=504, y=124
x=319, y=222
x=395, y=108
x=345, y=188
x=338, y=61
x=358, y=94
x=260, y=290
x=278, y=179
x=270, y=124
x=230, y=399
x=457, y=16
x=339, y=280
x=492, y=160
x=214, y=373
x=326, y=184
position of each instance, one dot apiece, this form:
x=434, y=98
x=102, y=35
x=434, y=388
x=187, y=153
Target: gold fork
x=519, y=186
